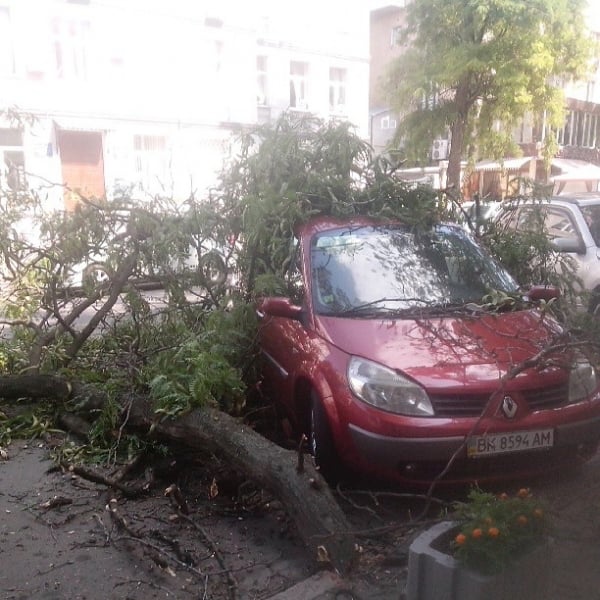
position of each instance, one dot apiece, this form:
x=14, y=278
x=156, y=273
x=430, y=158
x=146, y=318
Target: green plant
x=494, y=530
x=194, y=378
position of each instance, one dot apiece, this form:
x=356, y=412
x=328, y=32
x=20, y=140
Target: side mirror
x=542, y=292
x=568, y=245
x=278, y=306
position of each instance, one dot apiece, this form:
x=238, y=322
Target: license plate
x=516, y=441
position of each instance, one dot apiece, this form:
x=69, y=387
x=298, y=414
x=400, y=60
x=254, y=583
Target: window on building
x=388, y=123
x=151, y=159
x=7, y=57
x=580, y=129
x=396, y=37
x=70, y=47
x=218, y=56
x=337, y=90
x=12, y=168
x=590, y=91
x=564, y=133
x=261, y=81
x=298, y=85
x=591, y=136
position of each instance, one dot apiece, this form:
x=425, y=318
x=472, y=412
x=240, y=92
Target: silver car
x=573, y=224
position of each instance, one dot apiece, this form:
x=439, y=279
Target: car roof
x=579, y=199
x=325, y=223
x=582, y=199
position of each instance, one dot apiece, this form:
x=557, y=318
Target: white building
x=148, y=92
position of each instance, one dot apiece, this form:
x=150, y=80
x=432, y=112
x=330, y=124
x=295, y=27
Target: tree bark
x=453, y=181
x=319, y=520
x=458, y=129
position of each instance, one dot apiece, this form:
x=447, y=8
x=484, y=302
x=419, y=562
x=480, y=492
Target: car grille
x=472, y=405
x=547, y=397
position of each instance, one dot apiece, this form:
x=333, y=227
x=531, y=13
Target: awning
x=508, y=164
x=574, y=170
x=78, y=124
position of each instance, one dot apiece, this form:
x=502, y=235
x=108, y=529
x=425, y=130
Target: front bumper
x=389, y=452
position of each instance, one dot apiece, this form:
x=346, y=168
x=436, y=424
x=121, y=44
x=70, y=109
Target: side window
x=556, y=222
x=293, y=276
x=529, y=219
x=559, y=224
x=507, y=218
x=591, y=214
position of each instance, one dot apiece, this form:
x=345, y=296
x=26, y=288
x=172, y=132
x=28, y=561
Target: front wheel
x=95, y=275
x=212, y=269
x=594, y=305
x=321, y=441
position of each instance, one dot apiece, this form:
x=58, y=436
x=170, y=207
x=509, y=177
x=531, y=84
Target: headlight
x=582, y=381
x=387, y=390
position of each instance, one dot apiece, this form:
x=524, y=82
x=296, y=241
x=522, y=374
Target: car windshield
x=374, y=270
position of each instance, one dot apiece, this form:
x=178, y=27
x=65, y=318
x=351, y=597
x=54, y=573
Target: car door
x=562, y=229
x=284, y=341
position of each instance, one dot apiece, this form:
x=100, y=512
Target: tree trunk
x=453, y=181
x=320, y=522
x=463, y=102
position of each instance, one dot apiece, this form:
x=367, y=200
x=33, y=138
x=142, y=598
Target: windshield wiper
x=371, y=308
x=430, y=309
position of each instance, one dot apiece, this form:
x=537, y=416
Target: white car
x=573, y=224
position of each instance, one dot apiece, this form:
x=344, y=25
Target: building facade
x=386, y=23
x=147, y=93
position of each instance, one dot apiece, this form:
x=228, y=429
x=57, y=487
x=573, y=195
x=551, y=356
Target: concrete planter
x=435, y=575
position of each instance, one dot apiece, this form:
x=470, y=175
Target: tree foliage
x=300, y=167
x=470, y=64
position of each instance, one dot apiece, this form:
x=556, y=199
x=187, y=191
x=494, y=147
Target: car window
x=559, y=223
x=555, y=221
x=591, y=214
x=293, y=277
x=528, y=218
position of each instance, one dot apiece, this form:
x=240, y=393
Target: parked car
x=209, y=270
x=573, y=224
x=386, y=359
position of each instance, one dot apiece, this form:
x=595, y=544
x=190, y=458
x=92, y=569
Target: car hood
x=444, y=351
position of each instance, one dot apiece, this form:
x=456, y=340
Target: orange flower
x=538, y=513
x=493, y=532
x=460, y=539
x=524, y=493
x=477, y=533
x=522, y=520
x=503, y=496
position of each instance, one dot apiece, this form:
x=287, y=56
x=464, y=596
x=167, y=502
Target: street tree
x=475, y=68
x=182, y=375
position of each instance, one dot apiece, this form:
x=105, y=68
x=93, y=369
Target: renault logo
x=509, y=407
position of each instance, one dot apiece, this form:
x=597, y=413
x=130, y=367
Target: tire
x=321, y=442
x=594, y=305
x=212, y=269
x=94, y=275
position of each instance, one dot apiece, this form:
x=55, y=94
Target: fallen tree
x=308, y=500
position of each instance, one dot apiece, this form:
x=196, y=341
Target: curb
x=312, y=588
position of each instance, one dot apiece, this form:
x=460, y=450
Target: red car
x=388, y=359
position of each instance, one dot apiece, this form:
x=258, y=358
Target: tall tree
x=471, y=65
